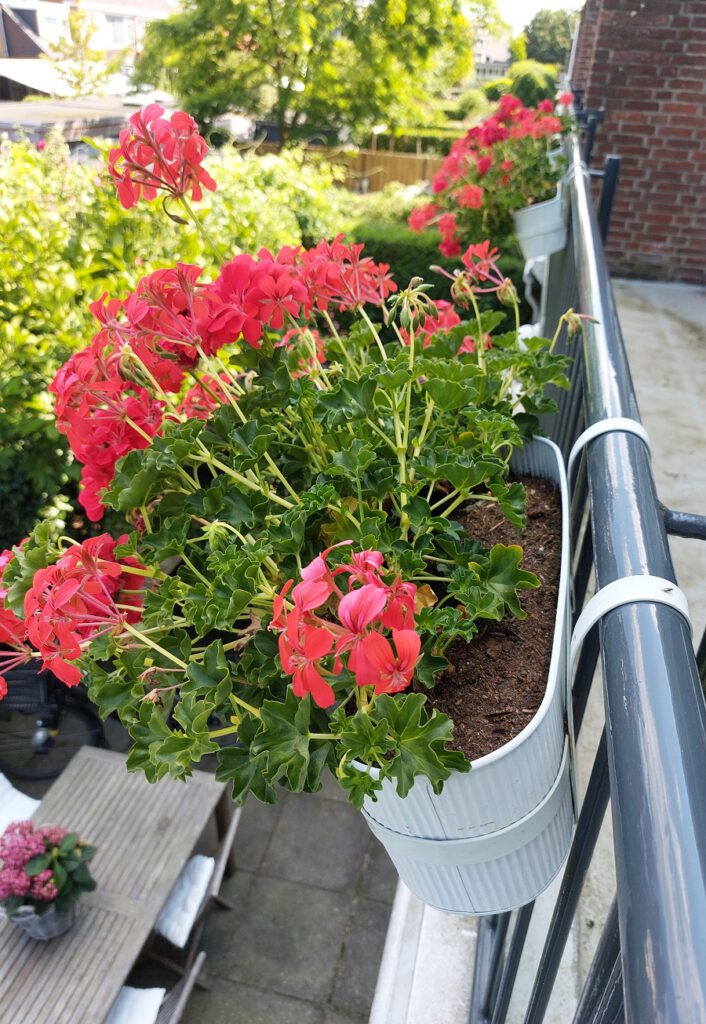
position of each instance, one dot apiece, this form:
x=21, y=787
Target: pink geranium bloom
x=379, y=666
x=301, y=647
x=364, y=566
x=318, y=582
x=357, y=610
x=399, y=613
x=158, y=153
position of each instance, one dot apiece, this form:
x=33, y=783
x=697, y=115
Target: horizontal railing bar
x=655, y=711
x=684, y=524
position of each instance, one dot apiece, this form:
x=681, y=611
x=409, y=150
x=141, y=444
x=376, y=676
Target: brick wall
x=644, y=61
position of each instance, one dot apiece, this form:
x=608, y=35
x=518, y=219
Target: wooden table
x=144, y=834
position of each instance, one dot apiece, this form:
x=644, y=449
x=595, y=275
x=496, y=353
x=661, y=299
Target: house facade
x=29, y=27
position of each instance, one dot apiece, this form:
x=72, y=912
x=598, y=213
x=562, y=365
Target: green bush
x=497, y=88
x=67, y=240
x=436, y=140
x=471, y=105
x=533, y=82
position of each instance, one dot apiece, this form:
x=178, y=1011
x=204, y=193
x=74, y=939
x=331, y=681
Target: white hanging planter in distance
x=541, y=228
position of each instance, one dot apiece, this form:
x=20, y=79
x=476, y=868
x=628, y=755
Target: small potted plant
x=43, y=871
x=302, y=442
x=503, y=175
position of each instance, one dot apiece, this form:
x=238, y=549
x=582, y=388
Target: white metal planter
x=496, y=836
x=541, y=228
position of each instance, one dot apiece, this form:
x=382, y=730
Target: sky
x=518, y=13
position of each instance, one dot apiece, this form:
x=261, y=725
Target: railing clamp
x=611, y=424
x=621, y=592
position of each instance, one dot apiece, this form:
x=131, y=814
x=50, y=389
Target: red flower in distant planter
x=159, y=154
x=422, y=216
x=470, y=197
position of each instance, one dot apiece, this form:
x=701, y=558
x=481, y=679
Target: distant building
x=29, y=27
x=491, y=56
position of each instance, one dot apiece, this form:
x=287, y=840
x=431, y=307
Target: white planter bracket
x=610, y=425
x=627, y=590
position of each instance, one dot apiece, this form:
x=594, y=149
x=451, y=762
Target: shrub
x=533, y=82
x=497, y=88
x=471, y=104
x=68, y=241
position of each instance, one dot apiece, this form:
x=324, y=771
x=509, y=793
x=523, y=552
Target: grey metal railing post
x=655, y=711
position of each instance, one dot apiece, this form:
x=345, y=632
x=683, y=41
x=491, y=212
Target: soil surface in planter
x=497, y=682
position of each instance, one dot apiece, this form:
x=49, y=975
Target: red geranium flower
x=379, y=666
x=156, y=153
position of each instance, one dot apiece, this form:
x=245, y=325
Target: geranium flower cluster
x=113, y=396
x=87, y=592
x=338, y=620
x=500, y=163
x=19, y=844
x=159, y=154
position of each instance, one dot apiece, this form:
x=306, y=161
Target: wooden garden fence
x=370, y=170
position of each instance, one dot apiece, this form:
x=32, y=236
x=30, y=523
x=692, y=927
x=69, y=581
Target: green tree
x=518, y=48
x=83, y=68
x=549, y=36
x=310, y=63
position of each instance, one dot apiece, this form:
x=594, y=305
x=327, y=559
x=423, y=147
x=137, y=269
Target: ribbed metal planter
x=44, y=926
x=495, y=837
x=541, y=228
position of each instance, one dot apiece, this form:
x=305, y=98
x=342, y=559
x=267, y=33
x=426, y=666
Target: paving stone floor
x=312, y=893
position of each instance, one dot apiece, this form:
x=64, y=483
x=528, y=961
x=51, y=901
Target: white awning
x=34, y=73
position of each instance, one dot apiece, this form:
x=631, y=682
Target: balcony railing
x=650, y=965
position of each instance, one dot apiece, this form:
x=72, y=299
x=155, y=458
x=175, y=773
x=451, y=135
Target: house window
x=51, y=28
x=119, y=34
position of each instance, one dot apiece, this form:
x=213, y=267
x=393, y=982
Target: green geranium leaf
x=420, y=742
x=363, y=739
x=211, y=677
x=358, y=784
x=284, y=735
x=349, y=400
x=503, y=577
x=247, y=774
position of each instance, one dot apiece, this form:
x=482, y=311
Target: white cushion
x=184, y=901
x=14, y=806
x=136, y=1006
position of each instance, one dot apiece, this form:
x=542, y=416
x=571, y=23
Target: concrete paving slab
x=314, y=848
x=257, y=824
x=379, y=875
x=288, y=938
x=339, y=1017
x=232, y=1003
x=362, y=952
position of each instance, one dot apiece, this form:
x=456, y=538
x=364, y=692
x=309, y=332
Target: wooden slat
x=144, y=834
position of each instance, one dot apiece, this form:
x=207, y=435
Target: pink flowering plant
x=503, y=164
x=289, y=444
x=42, y=867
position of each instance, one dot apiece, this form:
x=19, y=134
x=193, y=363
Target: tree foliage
x=313, y=63
x=82, y=67
x=549, y=36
